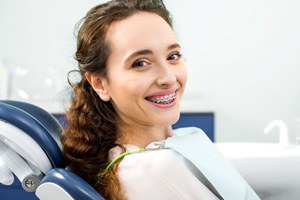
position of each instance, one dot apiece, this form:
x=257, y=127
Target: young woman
x=132, y=79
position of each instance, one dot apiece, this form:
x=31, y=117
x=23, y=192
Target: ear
x=99, y=84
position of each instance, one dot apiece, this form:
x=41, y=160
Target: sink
x=272, y=170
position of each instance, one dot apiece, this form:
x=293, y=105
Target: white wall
x=243, y=57
x=37, y=44
x=244, y=62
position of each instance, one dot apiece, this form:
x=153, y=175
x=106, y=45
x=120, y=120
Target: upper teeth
x=163, y=99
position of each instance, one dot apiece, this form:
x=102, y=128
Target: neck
x=142, y=136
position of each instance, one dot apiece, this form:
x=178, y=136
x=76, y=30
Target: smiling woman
x=119, y=136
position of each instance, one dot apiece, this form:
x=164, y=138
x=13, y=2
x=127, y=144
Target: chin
x=175, y=120
x=171, y=119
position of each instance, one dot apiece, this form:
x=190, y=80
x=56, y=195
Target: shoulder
x=159, y=174
x=143, y=173
x=153, y=161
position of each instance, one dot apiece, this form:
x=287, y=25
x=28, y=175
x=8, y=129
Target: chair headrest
x=38, y=124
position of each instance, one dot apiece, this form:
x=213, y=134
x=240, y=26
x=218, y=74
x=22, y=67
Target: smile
x=165, y=99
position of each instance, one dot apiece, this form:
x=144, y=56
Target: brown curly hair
x=92, y=123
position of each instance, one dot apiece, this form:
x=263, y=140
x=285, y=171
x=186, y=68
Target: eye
x=140, y=63
x=174, y=56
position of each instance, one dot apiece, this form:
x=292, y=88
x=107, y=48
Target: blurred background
x=243, y=59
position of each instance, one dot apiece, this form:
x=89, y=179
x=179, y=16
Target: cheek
x=129, y=86
x=138, y=86
x=182, y=75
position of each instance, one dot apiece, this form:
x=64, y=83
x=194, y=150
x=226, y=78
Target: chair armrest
x=62, y=184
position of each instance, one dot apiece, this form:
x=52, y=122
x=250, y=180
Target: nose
x=166, y=75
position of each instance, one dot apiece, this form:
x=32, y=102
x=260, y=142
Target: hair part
x=92, y=123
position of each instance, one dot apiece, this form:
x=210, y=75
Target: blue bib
x=193, y=144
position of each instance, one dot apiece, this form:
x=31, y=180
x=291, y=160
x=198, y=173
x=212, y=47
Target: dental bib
x=193, y=144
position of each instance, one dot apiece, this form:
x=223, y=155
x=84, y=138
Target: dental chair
x=30, y=151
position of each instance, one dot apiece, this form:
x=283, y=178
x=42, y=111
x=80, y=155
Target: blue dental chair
x=30, y=151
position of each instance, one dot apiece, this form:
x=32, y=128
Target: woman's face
x=146, y=74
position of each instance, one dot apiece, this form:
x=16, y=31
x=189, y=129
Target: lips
x=162, y=99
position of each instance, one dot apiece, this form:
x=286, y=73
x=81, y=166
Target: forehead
x=141, y=30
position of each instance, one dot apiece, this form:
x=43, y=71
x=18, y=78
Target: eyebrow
x=174, y=46
x=148, y=52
